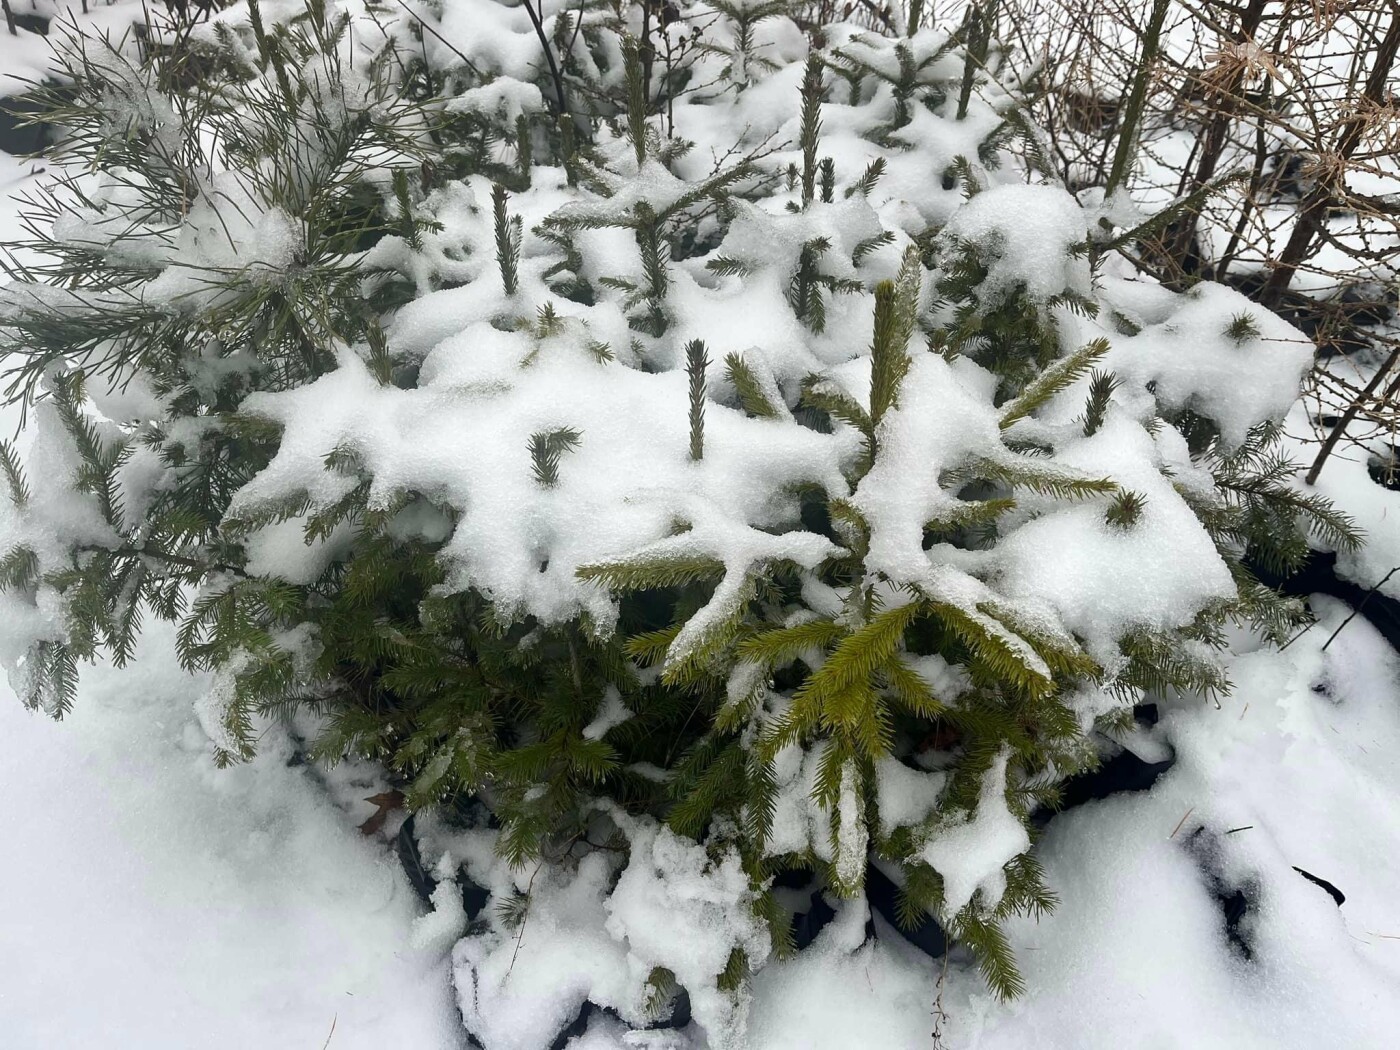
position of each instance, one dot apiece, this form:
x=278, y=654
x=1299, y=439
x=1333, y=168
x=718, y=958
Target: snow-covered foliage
x=240, y=904
x=719, y=460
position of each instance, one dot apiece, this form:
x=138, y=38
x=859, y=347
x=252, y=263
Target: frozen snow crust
x=666, y=507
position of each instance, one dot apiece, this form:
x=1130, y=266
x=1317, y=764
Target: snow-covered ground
x=148, y=899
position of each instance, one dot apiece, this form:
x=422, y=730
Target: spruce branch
x=637, y=97
x=972, y=514
x=746, y=384
x=19, y=569
x=639, y=574
x=842, y=695
x=50, y=678
x=1101, y=388
x=1242, y=328
x=976, y=33
x=736, y=971
x=696, y=363
x=811, y=124
x=1050, y=382
x=869, y=244
x=508, y=236
x=962, y=171
x=865, y=185
x=381, y=364
x=1042, y=480
x=546, y=449
x=661, y=988
x=826, y=172
x=781, y=645
x=1184, y=205
x=993, y=952
x=804, y=290
x=995, y=650
x=822, y=393
x=1126, y=509
x=727, y=266
x=14, y=473
x=889, y=360
x=1144, y=68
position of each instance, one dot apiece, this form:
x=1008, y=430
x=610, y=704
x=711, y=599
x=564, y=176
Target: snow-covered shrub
x=716, y=467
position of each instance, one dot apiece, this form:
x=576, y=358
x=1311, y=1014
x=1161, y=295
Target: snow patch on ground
x=148, y=899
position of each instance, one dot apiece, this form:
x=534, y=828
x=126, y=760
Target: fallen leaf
x=385, y=802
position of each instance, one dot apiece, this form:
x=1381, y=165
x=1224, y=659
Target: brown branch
x=1348, y=416
x=1181, y=238
x=1315, y=209
x=554, y=73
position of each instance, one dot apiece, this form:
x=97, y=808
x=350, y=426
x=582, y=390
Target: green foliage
x=1050, y=382
x=507, y=240
x=865, y=185
x=811, y=125
x=808, y=282
x=1126, y=509
x=751, y=394
x=1258, y=518
x=14, y=473
x=1242, y=328
x=696, y=363
x=546, y=449
x=1102, y=386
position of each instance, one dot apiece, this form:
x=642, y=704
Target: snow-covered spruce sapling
x=210, y=255
x=756, y=483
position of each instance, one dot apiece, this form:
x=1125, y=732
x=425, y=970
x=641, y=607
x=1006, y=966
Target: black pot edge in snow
x=474, y=897
x=411, y=860
x=1121, y=774
x=1319, y=576
x=1236, y=898
x=807, y=924
x=1384, y=466
x=1233, y=898
x=17, y=137
x=679, y=1018
x=30, y=21
x=882, y=893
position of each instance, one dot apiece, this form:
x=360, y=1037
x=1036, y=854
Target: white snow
x=1072, y=560
x=969, y=854
x=845, y=991
x=1298, y=761
x=906, y=796
x=149, y=899
x=1024, y=235
x=1194, y=366
x=517, y=988
x=675, y=907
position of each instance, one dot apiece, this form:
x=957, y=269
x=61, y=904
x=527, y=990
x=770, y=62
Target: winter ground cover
x=1245, y=898
x=152, y=900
